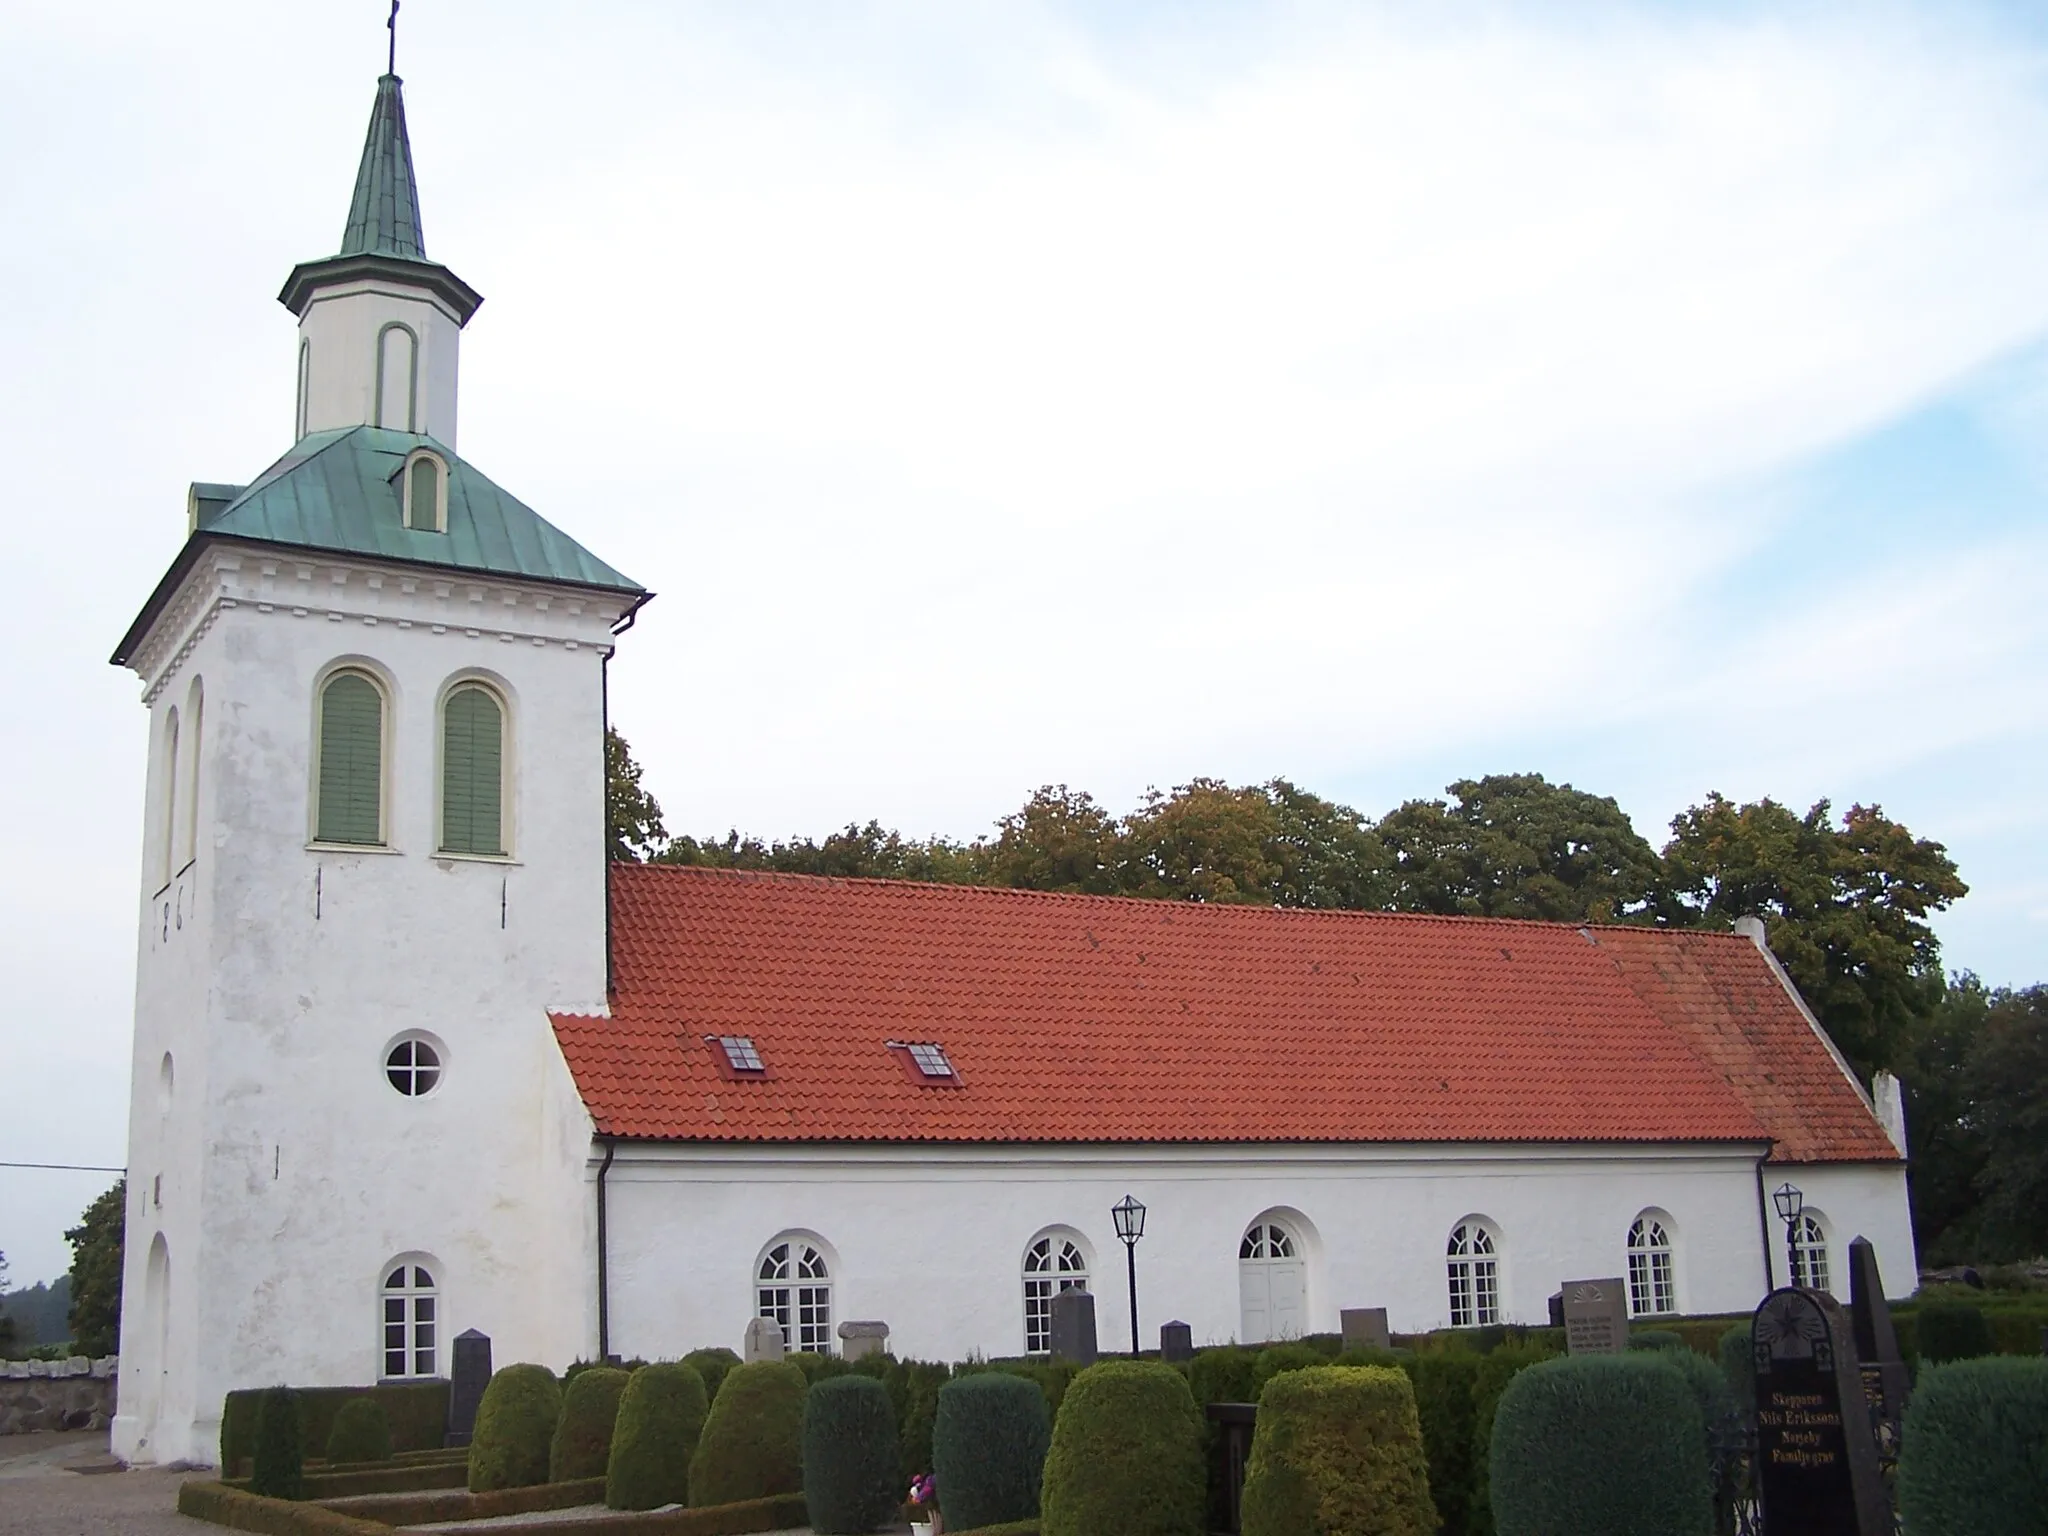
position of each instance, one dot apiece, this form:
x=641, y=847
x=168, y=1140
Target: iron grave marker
x=1176, y=1341
x=1073, y=1326
x=1816, y=1464
x=468, y=1374
x=1595, y=1317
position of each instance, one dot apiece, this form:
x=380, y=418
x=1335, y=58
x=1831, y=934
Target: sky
x=1647, y=395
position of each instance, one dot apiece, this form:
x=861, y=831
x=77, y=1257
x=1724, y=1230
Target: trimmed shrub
x=1444, y=1383
x=418, y=1412
x=1275, y=1358
x=851, y=1463
x=1343, y=1445
x=654, y=1434
x=1655, y=1338
x=988, y=1449
x=1226, y=1375
x=818, y=1367
x=515, y=1425
x=280, y=1446
x=917, y=1410
x=1600, y=1445
x=1126, y=1455
x=1491, y=1377
x=1973, y=1456
x=1953, y=1330
x=1738, y=1368
x=361, y=1432
x=582, y=1446
x=753, y=1440
x=711, y=1365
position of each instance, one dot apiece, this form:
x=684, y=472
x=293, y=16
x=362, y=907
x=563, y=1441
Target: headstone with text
x=858, y=1340
x=1816, y=1459
x=764, y=1340
x=1877, y=1342
x=1595, y=1317
x=468, y=1374
x=1364, y=1327
x=1073, y=1326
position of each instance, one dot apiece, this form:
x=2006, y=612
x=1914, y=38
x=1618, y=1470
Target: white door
x=1270, y=1284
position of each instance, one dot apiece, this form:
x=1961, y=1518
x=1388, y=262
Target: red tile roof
x=1093, y=1019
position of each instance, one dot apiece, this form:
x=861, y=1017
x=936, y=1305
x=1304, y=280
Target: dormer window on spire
x=424, y=488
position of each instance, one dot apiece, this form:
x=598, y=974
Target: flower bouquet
x=924, y=1506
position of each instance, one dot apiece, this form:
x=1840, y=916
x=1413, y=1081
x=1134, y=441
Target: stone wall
x=38, y=1395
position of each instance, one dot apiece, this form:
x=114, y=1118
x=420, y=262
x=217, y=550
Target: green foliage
x=1516, y=845
x=1348, y=1438
x=989, y=1443
x=416, y=1411
x=41, y=1314
x=712, y=1365
x=1738, y=1367
x=915, y=1389
x=753, y=1440
x=1126, y=1455
x=515, y=1425
x=852, y=1469
x=818, y=1366
x=280, y=1471
x=1061, y=840
x=96, y=1274
x=582, y=1446
x=632, y=815
x=1225, y=1375
x=1655, y=1338
x=654, y=1435
x=2003, y=1081
x=1600, y=1446
x=1445, y=1383
x=1845, y=908
x=1490, y=1379
x=361, y=1432
x=1952, y=1330
x=1275, y=1358
x=1973, y=1457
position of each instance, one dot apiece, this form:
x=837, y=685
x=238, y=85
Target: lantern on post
x=1791, y=1201
x=1129, y=1217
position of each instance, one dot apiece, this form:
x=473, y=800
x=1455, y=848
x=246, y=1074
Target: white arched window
x=1053, y=1263
x=1652, y=1289
x=1272, y=1282
x=411, y=1318
x=1474, y=1263
x=794, y=1286
x=1810, y=1253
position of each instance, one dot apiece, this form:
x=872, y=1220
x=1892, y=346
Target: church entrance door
x=1271, y=1283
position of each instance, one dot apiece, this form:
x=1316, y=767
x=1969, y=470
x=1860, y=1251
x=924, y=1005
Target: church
x=411, y=1057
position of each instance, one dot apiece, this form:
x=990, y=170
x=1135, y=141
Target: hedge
x=753, y=1441
x=914, y=1391
x=1490, y=1379
x=659, y=1419
x=1973, y=1454
x=852, y=1467
x=392, y=1478
x=1445, y=1383
x=582, y=1445
x=241, y=1511
x=1738, y=1368
x=1338, y=1451
x=451, y=1504
x=1126, y=1455
x=1275, y=1358
x=711, y=1365
x=361, y=1434
x=418, y=1414
x=280, y=1447
x=515, y=1426
x=1953, y=1330
x=988, y=1448
x=1600, y=1445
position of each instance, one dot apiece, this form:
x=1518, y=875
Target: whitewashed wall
x=276, y=973
x=931, y=1240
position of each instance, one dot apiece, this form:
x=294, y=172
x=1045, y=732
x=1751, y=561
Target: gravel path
x=42, y=1495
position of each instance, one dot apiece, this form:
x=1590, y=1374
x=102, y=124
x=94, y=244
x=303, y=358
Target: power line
x=66, y=1167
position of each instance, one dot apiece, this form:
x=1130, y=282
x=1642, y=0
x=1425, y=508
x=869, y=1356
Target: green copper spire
x=384, y=217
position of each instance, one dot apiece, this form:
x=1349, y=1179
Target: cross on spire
x=391, y=25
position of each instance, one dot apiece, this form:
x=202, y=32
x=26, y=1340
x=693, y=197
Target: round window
x=413, y=1067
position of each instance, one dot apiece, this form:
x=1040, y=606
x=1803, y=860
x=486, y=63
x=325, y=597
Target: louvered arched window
x=472, y=771
x=349, y=787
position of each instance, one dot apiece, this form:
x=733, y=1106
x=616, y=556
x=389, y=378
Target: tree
x=96, y=1273
x=632, y=815
x=1944, y=1141
x=7, y=1328
x=2007, y=1081
x=1060, y=840
x=1516, y=845
x=1204, y=842
x=1845, y=909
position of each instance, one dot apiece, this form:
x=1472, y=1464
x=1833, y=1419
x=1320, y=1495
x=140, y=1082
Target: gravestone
x=1557, y=1310
x=1595, y=1317
x=1816, y=1459
x=1073, y=1326
x=1364, y=1327
x=1176, y=1341
x=468, y=1374
x=1877, y=1344
x=859, y=1340
x=764, y=1340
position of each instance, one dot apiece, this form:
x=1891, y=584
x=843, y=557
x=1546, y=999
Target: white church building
x=410, y=1057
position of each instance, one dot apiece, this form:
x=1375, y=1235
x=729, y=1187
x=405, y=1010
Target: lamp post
x=1790, y=1201
x=1129, y=1217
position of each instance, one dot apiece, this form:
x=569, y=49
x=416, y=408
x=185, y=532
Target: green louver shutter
x=351, y=761
x=472, y=775
x=426, y=497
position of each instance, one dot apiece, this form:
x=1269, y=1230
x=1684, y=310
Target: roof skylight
x=931, y=1060
x=740, y=1054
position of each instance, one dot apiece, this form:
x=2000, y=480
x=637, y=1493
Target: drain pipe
x=1763, y=1221
x=604, y=1285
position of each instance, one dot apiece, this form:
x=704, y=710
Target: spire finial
x=391, y=26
